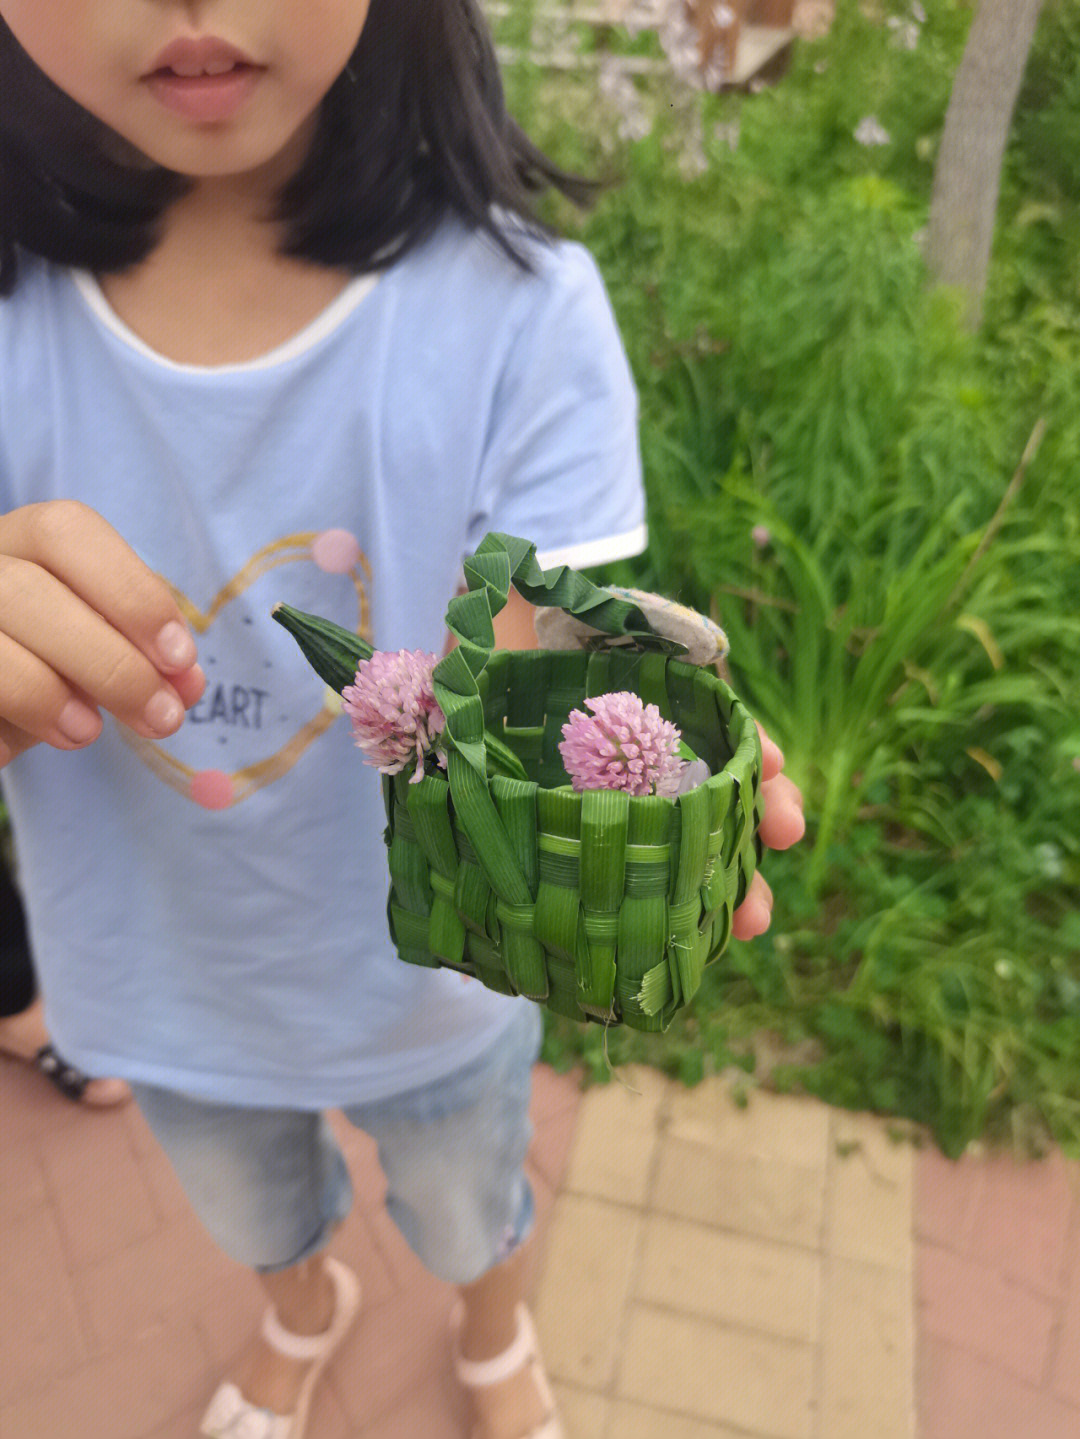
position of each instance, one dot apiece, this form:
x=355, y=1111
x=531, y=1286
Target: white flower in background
x=1051, y=861
x=820, y=66
x=723, y=17
x=918, y=13
x=619, y=90
x=905, y=33
x=692, y=158
x=728, y=134
x=870, y=131
x=639, y=15
x=679, y=41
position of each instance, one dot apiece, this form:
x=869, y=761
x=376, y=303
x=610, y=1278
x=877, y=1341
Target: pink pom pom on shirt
x=393, y=711
x=624, y=744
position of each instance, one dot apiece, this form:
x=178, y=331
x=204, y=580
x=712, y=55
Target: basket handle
x=499, y=563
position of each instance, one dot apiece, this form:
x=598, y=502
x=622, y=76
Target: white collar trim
x=300, y=343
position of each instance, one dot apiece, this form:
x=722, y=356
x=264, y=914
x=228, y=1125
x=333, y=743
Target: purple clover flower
x=624, y=744
x=394, y=714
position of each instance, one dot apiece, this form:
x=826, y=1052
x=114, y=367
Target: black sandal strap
x=71, y=1082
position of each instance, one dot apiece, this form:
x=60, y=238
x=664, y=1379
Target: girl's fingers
x=64, y=634
x=189, y=685
x=782, y=824
x=35, y=701
x=772, y=759
x=85, y=554
x=754, y=915
x=13, y=741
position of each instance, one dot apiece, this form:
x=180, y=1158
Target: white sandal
x=231, y=1416
x=523, y=1353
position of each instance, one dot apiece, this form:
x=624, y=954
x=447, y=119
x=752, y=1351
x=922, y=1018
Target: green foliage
x=910, y=633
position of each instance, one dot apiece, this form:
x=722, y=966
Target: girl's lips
x=202, y=78
x=204, y=98
x=192, y=54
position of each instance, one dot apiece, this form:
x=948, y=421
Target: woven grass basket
x=602, y=906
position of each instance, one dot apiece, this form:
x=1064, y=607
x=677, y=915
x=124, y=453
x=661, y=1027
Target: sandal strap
x=306, y=1347
x=71, y=1082
x=479, y=1373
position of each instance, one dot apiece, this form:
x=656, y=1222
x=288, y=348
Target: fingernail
x=164, y=712
x=175, y=646
x=78, y=722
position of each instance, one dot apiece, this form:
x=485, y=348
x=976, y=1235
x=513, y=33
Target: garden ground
x=708, y=1270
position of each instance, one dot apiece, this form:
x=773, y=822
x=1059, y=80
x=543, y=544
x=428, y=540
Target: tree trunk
x=963, y=203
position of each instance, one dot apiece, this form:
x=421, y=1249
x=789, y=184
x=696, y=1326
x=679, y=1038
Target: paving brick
x=962, y=1397
x=867, y=1353
x=1022, y=1220
x=147, y=1281
x=792, y=1129
x=425, y=1414
x=764, y=1197
x=22, y=1181
x=615, y=1137
x=734, y=1279
x=589, y=1259
x=551, y=1143
x=870, y=1192
x=422, y=1413
x=226, y=1314
x=640, y=1421
x=397, y=1348
x=553, y=1093
x=1065, y=1372
x=584, y=1414
x=984, y=1312
x=30, y=1105
x=947, y=1195
x=102, y=1201
x=41, y=1336
x=718, y=1374
x=127, y=1393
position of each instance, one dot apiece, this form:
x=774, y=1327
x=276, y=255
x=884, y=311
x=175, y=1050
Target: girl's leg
x=270, y=1186
x=303, y=1296
x=453, y=1153
x=489, y=1324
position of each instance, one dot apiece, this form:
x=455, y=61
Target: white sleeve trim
x=597, y=552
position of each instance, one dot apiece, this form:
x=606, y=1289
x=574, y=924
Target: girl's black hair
x=415, y=126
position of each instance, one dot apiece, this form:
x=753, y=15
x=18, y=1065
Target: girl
x=277, y=317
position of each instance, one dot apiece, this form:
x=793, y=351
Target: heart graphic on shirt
x=334, y=552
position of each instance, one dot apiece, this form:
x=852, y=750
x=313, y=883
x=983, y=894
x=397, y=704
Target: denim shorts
x=270, y=1185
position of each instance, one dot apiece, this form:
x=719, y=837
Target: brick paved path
x=782, y=1271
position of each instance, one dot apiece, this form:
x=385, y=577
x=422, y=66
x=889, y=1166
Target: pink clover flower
x=393, y=711
x=624, y=744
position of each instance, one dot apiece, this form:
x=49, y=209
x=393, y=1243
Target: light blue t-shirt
x=208, y=913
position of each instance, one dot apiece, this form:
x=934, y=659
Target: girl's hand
x=782, y=825
x=85, y=625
